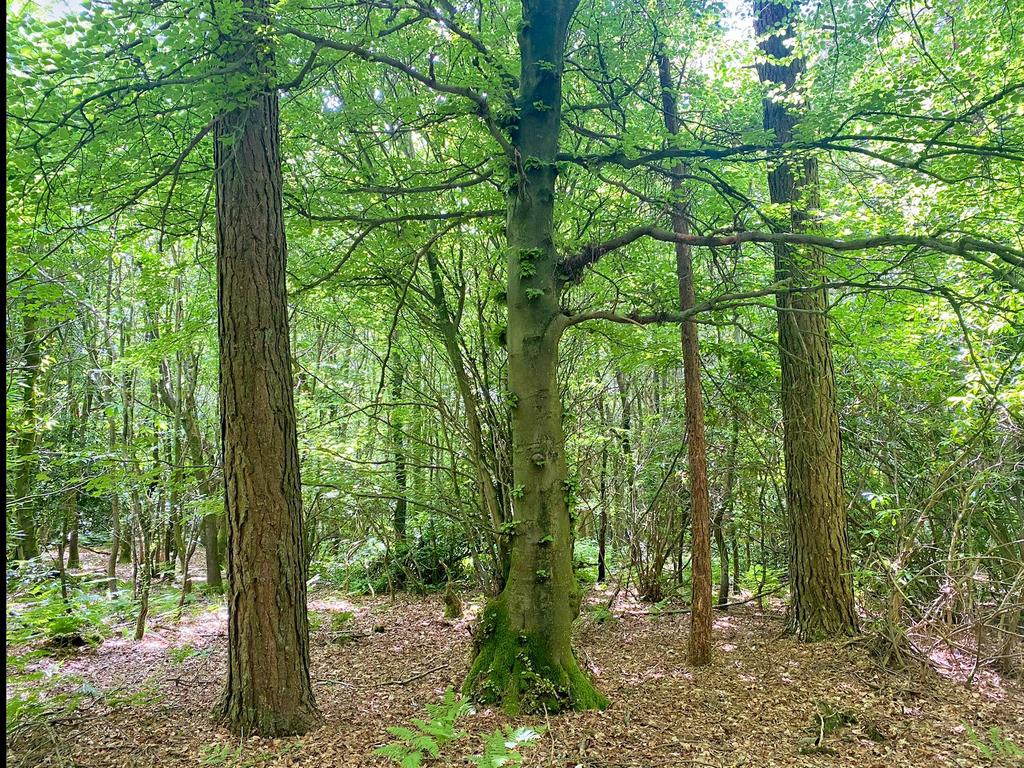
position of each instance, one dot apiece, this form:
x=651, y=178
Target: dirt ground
x=757, y=705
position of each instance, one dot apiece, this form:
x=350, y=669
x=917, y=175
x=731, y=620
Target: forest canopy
x=548, y=316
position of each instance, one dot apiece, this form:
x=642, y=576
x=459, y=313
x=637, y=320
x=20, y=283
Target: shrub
x=755, y=574
x=46, y=617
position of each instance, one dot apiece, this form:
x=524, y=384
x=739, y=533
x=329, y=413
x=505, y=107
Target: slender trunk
x=145, y=558
x=210, y=549
x=723, y=518
x=486, y=485
x=268, y=690
x=735, y=544
x=524, y=659
x=74, y=558
x=398, y=450
x=819, y=551
x=602, y=528
x=61, y=570
x=115, y=532
x=398, y=520
x=699, y=648
x=185, y=408
x=115, y=498
x=25, y=444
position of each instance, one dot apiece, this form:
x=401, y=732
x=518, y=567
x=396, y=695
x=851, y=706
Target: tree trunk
x=185, y=406
x=486, y=485
x=268, y=689
x=146, y=551
x=401, y=476
x=524, y=659
x=723, y=518
x=115, y=524
x=699, y=647
x=25, y=444
x=735, y=544
x=74, y=557
x=602, y=527
x=819, y=551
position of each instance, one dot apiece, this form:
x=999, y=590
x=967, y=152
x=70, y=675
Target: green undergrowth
x=426, y=738
x=995, y=747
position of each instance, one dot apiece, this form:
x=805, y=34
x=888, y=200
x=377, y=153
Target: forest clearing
x=590, y=383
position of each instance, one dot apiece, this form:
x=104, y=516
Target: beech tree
x=524, y=658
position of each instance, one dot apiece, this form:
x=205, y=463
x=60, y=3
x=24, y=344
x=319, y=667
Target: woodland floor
x=756, y=706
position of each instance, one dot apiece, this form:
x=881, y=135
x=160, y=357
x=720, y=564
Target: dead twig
x=417, y=676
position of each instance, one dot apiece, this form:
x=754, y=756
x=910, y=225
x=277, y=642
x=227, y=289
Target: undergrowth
x=425, y=740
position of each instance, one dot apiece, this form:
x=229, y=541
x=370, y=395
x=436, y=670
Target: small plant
x=502, y=747
x=219, y=754
x=183, y=653
x=602, y=614
x=993, y=745
x=45, y=616
x=660, y=606
x=452, y=603
x=425, y=739
x=340, y=620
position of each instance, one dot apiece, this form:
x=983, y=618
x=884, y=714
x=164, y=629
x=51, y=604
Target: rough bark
x=524, y=659
x=821, y=582
x=699, y=645
x=268, y=689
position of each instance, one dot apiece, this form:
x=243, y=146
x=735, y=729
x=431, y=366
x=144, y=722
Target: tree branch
x=572, y=267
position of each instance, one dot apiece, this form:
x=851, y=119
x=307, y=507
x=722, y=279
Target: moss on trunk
x=524, y=672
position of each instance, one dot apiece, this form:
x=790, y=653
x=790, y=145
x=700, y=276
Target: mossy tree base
x=526, y=673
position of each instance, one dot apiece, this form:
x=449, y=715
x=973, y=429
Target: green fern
x=413, y=745
x=502, y=747
x=993, y=745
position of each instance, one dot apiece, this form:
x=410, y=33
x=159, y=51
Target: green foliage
x=659, y=606
x=427, y=736
x=503, y=747
x=994, y=746
x=220, y=753
x=601, y=614
x=340, y=620
x=183, y=653
x=43, y=616
x=585, y=553
x=751, y=578
x=315, y=620
x=428, y=560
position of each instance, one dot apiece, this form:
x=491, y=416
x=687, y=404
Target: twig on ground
x=417, y=676
x=679, y=611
